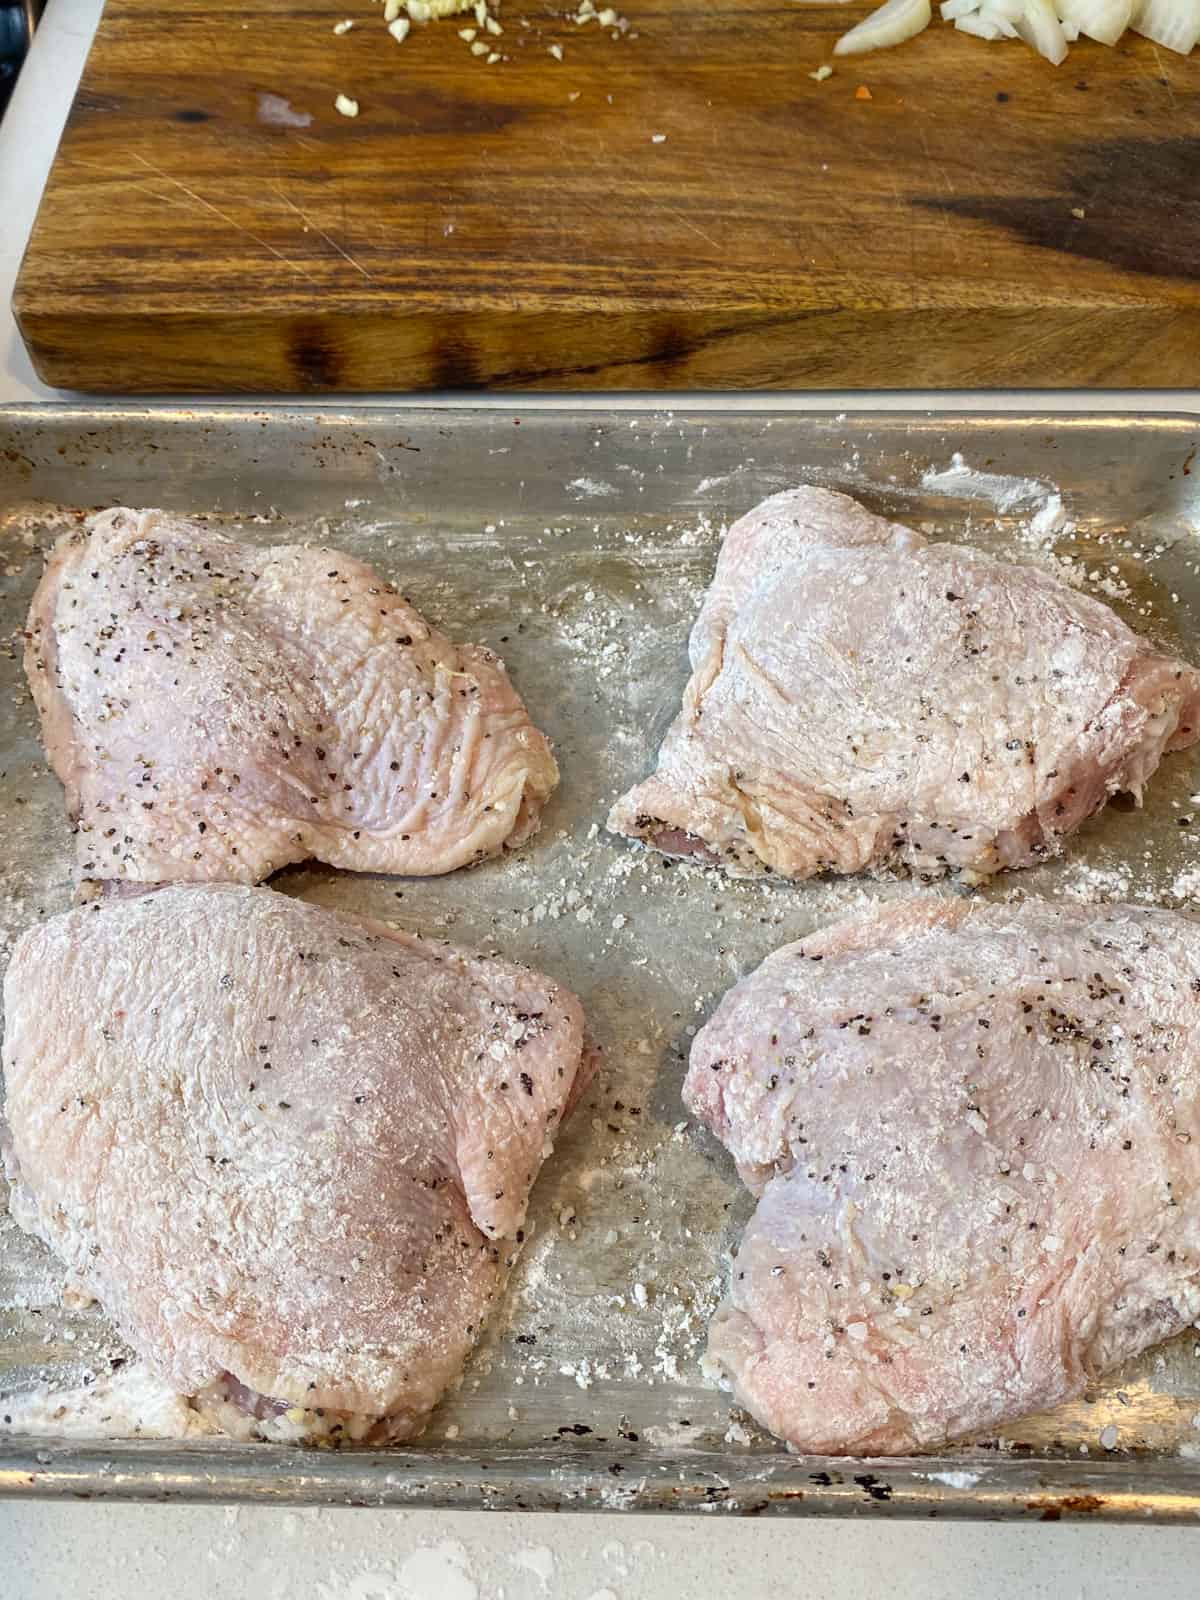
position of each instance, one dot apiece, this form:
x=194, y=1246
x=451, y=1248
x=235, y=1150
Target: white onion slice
x=1004, y=28
x=1102, y=20
x=960, y=8
x=977, y=25
x=1010, y=10
x=1040, y=27
x=893, y=23
x=1070, y=31
x=1175, y=24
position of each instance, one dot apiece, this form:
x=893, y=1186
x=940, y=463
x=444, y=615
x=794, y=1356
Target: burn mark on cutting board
x=453, y=365
x=426, y=112
x=1138, y=199
x=313, y=357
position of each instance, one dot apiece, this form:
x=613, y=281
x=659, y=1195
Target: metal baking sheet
x=578, y=545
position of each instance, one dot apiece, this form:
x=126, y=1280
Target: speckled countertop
x=100, y=1552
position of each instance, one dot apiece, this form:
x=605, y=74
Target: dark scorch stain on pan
x=1140, y=201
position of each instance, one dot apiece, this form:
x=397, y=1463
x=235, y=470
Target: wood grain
x=983, y=220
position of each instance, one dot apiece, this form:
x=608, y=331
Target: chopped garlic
x=344, y=104
x=392, y=9
x=822, y=72
x=493, y=58
x=606, y=18
x=343, y=27
x=493, y=26
x=479, y=48
x=399, y=29
x=431, y=10
x=556, y=51
x=658, y=138
x=467, y=33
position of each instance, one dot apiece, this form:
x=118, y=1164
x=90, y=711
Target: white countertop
x=118, y=1552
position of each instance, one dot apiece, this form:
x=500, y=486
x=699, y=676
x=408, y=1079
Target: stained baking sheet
x=579, y=545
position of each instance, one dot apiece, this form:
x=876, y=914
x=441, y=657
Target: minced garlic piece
x=431, y=10
x=556, y=51
x=399, y=29
x=344, y=104
x=343, y=27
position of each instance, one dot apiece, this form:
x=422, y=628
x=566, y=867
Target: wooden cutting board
x=687, y=208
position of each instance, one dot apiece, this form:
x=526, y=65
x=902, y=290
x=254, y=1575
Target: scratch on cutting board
x=1166, y=79
x=947, y=225
x=1061, y=334
x=328, y=238
x=217, y=212
x=657, y=203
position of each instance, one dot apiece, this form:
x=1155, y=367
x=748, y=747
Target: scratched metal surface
x=578, y=545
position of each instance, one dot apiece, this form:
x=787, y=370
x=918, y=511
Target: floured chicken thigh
x=976, y=1134
x=860, y=698
x=289, y=1151
x=217, y=710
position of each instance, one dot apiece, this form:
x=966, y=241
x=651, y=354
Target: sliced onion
x=1040, y=27
x=1175, y=24
x=978, y=25
x=1070, y=31
x=1004, y=27
x=893, y=23
x=1102, y=20
x=959, y=8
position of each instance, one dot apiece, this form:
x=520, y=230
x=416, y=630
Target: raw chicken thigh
x=289, y=1151
x=976, y=1134
x=860, y=697
x=217, y=710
